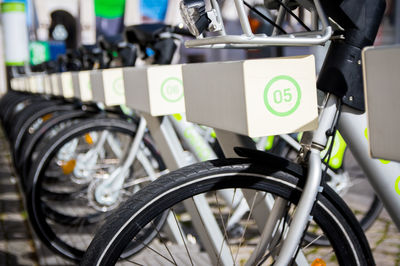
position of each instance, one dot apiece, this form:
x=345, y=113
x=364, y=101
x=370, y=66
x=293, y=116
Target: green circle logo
x=282, y=95
x=172, y=89
x=118, y=86
x=396, y=185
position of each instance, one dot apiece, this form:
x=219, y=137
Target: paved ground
x=16, y=245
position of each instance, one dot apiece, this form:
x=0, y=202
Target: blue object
x=56, y=48
x=154, y=9
x=150, y=52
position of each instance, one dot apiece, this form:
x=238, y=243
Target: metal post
x=397, y=21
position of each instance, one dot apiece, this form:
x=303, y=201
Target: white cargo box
x=17, y=84
x=156, y=90
x=32, y=84
x=56, y=84
x=97, y=87
x=14, y=84
x=47, y=84
x=26, y=84
x=85, y=88
x=75, y=84
x=381, y=67
x=253, y=97
x=113, y=84
x=67, y=85
x=40, y=83
x=70, y=84
x=20, y=84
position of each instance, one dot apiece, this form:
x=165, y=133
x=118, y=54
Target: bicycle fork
x=111, y=186
x=312, y=187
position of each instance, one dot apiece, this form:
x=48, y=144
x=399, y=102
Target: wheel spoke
x=312, y=242
x=182, y=236
x=165, y=245
x=246, y=225
x=158, y=253
x=133, y=262
x=224, y=226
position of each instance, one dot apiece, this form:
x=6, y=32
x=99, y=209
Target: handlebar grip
x=165, y=50
x=181, y=31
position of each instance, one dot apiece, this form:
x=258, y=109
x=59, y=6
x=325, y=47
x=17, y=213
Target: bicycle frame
x=382, y=175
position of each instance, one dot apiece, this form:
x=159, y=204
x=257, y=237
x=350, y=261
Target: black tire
x=372, y=206
x=19, y=105
x=16, y=105
x=48, y=222
x=26, y=123
x=7, y=102
x=330, y=212
x=366, y=222
x=32, y=142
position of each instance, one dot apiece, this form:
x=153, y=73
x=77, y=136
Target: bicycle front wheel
x=63, y=200
x=335, y=220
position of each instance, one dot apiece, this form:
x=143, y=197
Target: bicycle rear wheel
x=349, y=245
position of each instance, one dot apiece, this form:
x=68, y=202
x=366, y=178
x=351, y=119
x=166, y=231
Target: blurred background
x=48, y=29
x=54, y=26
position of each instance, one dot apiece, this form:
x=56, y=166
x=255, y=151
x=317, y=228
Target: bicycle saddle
x=144, y=33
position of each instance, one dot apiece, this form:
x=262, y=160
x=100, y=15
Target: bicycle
x=292, y=184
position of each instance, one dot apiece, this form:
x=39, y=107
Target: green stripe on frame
x=12, y=7
x=15, y=63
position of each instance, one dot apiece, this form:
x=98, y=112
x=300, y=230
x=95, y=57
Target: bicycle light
x=194, y=15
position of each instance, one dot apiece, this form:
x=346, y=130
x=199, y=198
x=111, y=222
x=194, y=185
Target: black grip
x=165, y=50
x=181, y=31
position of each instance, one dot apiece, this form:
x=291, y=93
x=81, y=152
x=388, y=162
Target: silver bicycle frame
x=381, y=175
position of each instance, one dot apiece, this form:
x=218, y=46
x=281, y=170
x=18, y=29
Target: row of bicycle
x=80, y=154
x=78, y=162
